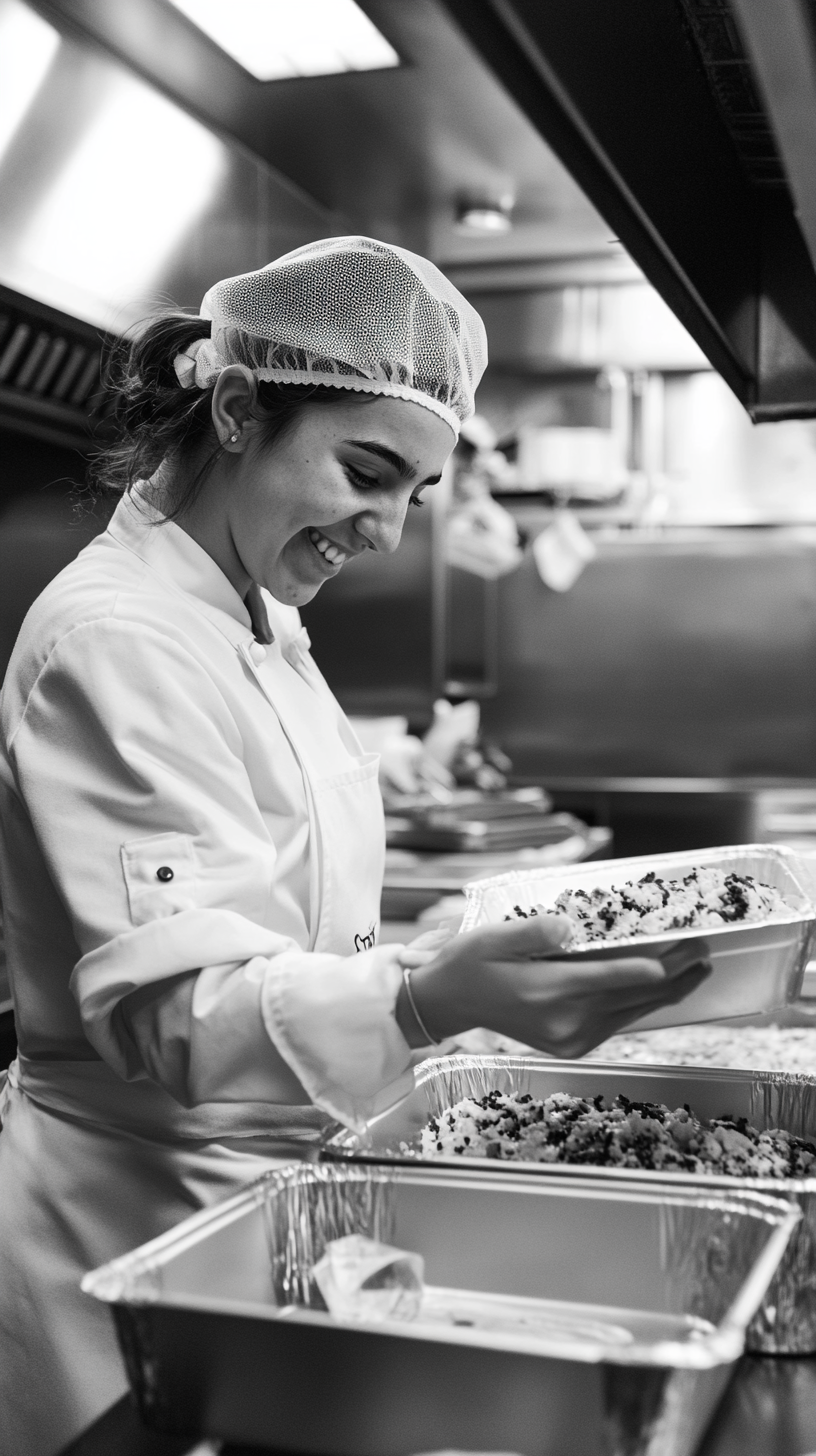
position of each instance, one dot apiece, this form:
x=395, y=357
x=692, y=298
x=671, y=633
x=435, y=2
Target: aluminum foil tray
x=222, y=1334
x=757, y=967
x=785, y=1323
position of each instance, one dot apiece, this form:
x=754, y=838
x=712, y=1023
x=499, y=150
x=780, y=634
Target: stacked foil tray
x=756, y=967
x=223, y=1334
x=785, y=1323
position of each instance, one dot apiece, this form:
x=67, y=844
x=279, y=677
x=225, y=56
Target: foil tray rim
x=582, y=875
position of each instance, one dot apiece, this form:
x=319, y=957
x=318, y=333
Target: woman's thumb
x=530, y=939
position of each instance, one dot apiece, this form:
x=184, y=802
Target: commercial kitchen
x=408, y=933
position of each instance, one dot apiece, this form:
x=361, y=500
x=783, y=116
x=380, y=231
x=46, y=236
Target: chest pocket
x=160, y=876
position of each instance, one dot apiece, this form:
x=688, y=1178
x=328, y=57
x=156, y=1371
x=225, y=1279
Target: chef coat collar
x=179, y=560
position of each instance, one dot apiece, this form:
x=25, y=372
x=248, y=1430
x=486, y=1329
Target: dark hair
x=156, y=420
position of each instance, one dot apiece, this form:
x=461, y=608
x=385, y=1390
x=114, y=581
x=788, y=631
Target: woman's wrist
x=427, y=1010
x=408, y=1019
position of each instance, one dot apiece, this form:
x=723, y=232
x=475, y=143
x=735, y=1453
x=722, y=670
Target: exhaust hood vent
x=729, y=74
x=50, y=384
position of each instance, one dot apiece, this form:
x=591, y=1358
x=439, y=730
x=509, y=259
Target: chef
x=192, y=838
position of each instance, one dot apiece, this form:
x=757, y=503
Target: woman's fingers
x=593, y=978
x=521, y=940
x=424, y=947
x=571, y=1028
x=685, y=953
x=619, y=1016
x=638, y=1000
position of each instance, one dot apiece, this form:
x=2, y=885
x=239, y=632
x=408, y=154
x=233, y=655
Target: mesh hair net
x=352, y=313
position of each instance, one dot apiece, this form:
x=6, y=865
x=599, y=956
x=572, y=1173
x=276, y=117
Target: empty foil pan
x=646, y=1294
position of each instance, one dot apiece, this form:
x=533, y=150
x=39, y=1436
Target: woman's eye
x=358, y=478
x=416, y=500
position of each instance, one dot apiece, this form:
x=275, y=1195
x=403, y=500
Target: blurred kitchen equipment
x=502, y=821
x=563, y=551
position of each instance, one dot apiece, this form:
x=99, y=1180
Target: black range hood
x=691, y=126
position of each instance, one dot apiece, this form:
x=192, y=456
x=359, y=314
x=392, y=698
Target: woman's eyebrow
x=391, y=457
x=383, y=452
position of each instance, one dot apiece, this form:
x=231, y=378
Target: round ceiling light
x=484, y=215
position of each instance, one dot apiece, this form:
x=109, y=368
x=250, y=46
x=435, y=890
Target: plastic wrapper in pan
x=224, y=1332
x=785, y=1324
x=756, y=966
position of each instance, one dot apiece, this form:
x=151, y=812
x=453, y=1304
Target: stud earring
x=234, y=437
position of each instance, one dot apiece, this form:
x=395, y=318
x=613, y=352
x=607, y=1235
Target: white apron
x=74, y=1194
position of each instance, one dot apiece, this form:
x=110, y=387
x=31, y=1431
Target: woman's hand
x=507, y=977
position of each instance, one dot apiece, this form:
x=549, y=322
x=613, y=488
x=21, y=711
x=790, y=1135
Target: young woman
x=192, y=838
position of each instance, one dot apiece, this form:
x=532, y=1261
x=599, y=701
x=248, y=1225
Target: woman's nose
x=382, y=527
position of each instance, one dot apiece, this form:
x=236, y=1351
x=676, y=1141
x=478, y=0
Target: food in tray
x=747, y=1048
x=703, y=899
x=515, y=1127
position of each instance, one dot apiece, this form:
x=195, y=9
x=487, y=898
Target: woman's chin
x=292, y=590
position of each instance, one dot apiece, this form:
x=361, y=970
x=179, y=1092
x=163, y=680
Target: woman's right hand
x=509, y=979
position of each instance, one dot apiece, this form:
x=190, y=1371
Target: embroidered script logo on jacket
x=367, y=941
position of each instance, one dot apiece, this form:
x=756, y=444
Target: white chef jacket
x=191, y=854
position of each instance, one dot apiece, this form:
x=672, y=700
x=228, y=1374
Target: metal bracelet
x=406, y=976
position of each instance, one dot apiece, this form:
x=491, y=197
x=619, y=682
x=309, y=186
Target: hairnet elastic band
x=190, y=373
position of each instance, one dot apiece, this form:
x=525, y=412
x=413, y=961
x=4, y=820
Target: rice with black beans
x=704, y=899
x=515, y=1127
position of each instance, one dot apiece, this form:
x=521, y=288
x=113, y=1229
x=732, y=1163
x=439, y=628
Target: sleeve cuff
x=333, y=1021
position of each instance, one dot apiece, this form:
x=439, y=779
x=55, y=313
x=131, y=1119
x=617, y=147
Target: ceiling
x=386, y=153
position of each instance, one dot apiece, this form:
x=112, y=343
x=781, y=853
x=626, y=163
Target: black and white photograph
x=408, y=727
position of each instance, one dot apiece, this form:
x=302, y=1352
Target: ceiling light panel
x=27, y=48
x=279, y=39
x=141, y=174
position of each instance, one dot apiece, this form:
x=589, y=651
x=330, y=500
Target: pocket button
x=164, y=873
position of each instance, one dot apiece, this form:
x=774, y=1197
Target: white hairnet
x=352, y=313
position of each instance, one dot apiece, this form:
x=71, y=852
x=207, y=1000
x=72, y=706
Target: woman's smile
x=332, y=555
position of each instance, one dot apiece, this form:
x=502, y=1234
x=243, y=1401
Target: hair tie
x=186, y=364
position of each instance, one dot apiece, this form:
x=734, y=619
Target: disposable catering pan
x=223, y=1330
x=756, y=967
x=785, y=1323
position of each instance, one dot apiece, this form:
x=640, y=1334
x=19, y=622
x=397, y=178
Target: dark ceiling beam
x=623, y=96
x=780, y=42
x=600, y=81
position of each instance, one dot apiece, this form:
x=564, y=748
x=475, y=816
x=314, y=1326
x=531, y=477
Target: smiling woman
x=192, y=845
x=289, y=518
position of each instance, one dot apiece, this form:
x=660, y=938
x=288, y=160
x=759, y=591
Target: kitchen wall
x=692, y=654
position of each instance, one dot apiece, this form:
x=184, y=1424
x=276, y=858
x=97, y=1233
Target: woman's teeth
x=332, y=554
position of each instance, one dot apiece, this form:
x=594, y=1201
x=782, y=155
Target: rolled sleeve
x=333, y=1021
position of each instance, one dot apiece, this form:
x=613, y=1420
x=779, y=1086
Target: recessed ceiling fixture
x=484, y=215
x=276, y=39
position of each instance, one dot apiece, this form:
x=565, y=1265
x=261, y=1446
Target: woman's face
x=339, y=482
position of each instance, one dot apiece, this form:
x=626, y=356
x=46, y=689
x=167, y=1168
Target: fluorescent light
x=142, y=173
x=275, y=39
x=27, y=48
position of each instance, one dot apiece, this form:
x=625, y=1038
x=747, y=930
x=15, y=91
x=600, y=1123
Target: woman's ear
x=233, y=400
